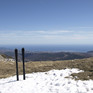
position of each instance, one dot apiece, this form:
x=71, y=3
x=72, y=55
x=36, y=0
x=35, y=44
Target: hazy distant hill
x=45, y=56
x=55, y=56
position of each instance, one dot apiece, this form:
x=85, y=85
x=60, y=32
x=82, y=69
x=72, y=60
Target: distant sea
x=51, y=48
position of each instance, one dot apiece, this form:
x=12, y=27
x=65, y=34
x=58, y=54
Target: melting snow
x=53, y=81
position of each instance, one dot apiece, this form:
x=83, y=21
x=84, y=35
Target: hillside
x=6, y=58
x=8, y=68
x=54, y=56
x=48, y=56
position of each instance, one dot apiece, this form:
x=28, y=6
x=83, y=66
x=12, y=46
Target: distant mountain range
x=56, y=56
x=46, y=56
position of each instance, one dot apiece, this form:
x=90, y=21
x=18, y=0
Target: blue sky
x=46, y=22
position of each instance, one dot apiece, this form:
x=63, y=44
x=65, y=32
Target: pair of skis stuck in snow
x=16, y=58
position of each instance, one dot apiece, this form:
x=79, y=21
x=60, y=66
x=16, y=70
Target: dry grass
x=8, y=68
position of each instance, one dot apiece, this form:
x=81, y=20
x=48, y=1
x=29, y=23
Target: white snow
x=53, y=81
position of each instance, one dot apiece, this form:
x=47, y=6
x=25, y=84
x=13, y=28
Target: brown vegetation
x=8, y=68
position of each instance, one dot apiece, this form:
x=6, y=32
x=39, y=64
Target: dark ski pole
x=16, y=58
x=23, y=63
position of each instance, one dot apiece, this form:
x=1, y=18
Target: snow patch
x=53, y=81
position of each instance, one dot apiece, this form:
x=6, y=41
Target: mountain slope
x=6, y=58
x=9, y=68
x=55, y=56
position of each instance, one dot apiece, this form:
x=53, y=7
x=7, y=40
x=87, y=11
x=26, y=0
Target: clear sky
x=46, y=22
